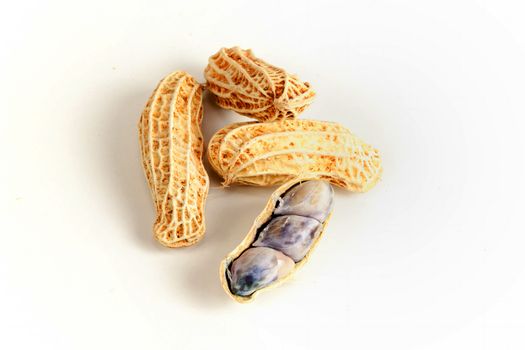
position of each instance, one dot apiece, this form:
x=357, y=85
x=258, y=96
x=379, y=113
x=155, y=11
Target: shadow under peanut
x=120, y=157
x=230, y=213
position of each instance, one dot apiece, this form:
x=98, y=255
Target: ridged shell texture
x=254, y=88
x=172, y=147
x=265, y=154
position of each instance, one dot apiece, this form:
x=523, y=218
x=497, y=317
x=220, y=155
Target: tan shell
x=254, y=88
x=250, y=238
x=264, y=154
x=172, y=146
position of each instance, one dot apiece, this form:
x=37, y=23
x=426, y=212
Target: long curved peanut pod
x=265, y=154
x=172, y=146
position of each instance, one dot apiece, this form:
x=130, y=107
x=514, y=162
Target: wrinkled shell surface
x=254, y=88
x=251, y=237
x=171, y=147
x=265, y=154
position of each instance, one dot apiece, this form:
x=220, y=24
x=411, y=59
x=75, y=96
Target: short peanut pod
x=277, y=245
x=254, y=88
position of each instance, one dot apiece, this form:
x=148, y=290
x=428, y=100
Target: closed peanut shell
x=255, y=88
x=264, y=154
x=171, y=147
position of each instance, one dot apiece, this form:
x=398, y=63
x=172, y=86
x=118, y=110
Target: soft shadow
x=120, y=155
x=121, y=158
x=230, y=213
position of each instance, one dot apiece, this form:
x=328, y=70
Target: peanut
x=264, y=154
x=254, y=88
x=171, y=147
x=276, y=246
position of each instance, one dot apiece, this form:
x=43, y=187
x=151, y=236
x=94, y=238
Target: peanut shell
x=171, y=147
x=265, y=154
x=254, y=88
x=250, y=238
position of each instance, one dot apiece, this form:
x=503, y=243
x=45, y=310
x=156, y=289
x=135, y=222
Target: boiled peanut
x=276, y=246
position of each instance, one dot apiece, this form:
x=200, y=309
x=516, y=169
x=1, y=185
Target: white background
x=431, y=258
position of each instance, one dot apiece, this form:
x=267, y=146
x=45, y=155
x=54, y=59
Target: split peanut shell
x=262, y=219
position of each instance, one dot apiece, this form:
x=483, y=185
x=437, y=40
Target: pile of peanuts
x=303, y=156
